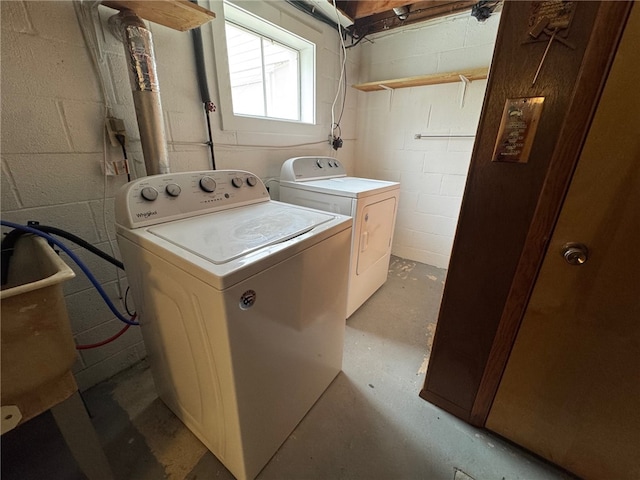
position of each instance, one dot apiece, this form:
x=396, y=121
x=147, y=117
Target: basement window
x=271, y=70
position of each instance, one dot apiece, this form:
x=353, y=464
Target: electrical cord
x=78, y=262
x=126, y=305
x=104, y=200
x=344, y=97
x=122, y=141
x=336, y=141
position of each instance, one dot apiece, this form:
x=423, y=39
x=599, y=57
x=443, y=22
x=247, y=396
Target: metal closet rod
x=419, y=136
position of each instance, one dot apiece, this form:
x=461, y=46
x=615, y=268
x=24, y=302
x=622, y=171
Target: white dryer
x=241, y=302
x=322, y=183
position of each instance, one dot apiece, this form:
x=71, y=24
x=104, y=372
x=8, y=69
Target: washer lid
x=345, y=186
x=224, y=236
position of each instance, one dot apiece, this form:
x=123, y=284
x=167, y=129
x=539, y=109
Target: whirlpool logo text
x=146, y=214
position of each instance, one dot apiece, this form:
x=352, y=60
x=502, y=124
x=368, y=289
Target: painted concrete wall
x=53, y=143
x=432, y=172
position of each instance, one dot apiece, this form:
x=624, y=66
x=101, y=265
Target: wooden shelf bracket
x=465, y=83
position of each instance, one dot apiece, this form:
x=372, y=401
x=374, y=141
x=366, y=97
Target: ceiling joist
x=361, y=9
x=372, y=16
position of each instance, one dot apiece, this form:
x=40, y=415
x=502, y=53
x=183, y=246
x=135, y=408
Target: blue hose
x=82, y=266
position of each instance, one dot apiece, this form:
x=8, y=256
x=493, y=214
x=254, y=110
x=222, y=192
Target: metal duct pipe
x=138, y=45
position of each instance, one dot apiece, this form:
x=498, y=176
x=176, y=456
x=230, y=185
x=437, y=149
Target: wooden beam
x=348, y=7
x=420, y=80
x=371, y=7
x=418, y=12
x=180, y=15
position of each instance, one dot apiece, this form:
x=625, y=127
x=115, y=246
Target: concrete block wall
x=432, y=172
x=53, y=146
x=52, y=155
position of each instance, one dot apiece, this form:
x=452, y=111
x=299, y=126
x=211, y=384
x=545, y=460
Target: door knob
x=575, y=253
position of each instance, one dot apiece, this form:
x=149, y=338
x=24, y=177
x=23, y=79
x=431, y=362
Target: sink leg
x=77, y=430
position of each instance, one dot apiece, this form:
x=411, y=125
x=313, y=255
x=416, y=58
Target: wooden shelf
x=420, y=80
x=180, y=15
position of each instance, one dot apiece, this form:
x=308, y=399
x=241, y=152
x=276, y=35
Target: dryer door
x=375, y=233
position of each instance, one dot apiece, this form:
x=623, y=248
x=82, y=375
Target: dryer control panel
x=172, y=196
x=301, y=169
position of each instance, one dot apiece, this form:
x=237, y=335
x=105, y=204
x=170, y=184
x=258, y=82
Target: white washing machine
x=322, y=183
x=241, y=302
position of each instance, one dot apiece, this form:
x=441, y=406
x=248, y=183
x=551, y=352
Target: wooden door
x=509, y=209
x=571, y=389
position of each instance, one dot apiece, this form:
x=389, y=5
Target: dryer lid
x=225, y=236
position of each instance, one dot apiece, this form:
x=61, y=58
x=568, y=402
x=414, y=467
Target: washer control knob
x=319, y=163
x=208, y=184
x=149, y=193
x=173, y=189
x=252, y=181
x=236, y=182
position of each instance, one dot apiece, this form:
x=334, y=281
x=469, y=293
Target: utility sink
x=38, y=349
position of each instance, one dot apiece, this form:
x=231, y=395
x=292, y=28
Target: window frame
x=276, y=18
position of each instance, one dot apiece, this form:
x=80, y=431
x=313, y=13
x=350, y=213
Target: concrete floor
x=369, y=424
